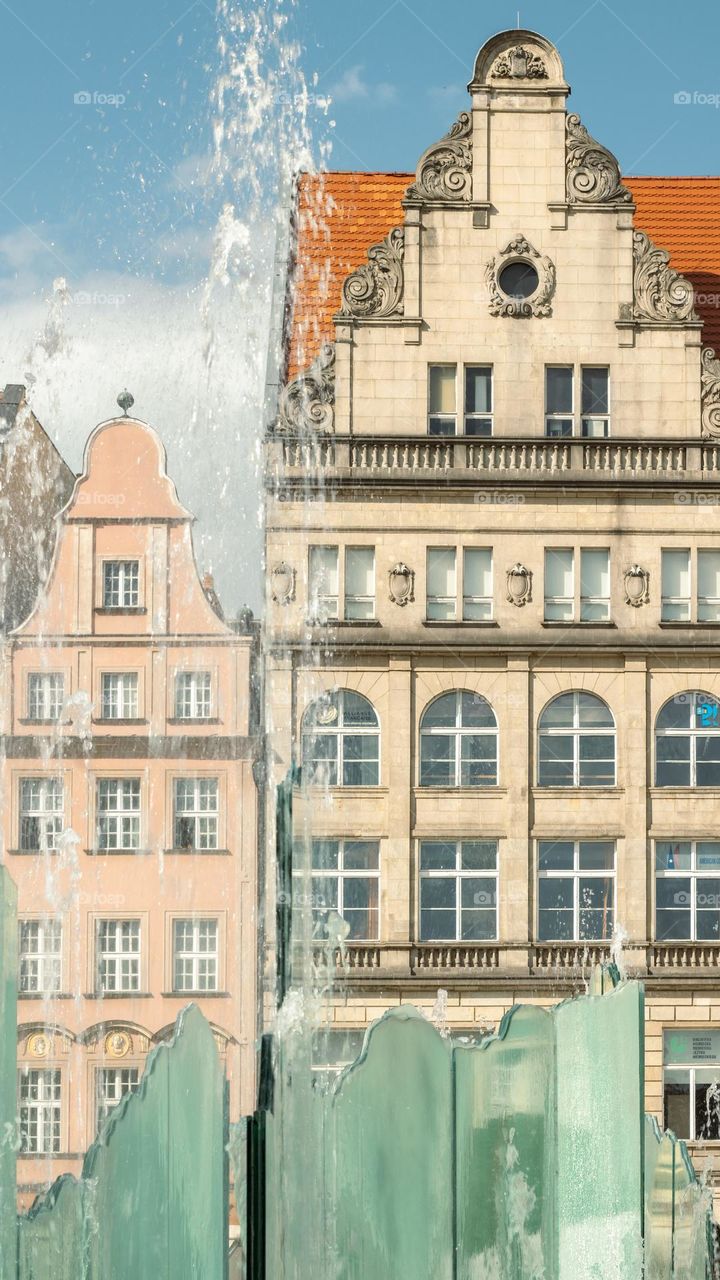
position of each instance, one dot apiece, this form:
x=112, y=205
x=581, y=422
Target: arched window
x=576, y=742
x=687, y=742
x=458, y=742
x=341, y=741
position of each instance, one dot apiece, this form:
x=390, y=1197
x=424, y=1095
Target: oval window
x=519, y=280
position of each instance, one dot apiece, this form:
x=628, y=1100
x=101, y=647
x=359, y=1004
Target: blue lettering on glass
x=707, y=713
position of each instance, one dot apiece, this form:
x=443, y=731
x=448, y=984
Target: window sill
x=118, y=995
x=33, y=853
x=465, y=791
x=45, y=724
x=195, y=995
x=44, y=995
x=342, y=623
x=116, y=720
x=713, y=792
x=199, y=853
x=556, y=792
x=689, y=626
x=576, y=626
x=375, y=790
x=183, y=720
x=465, y=623
x=114, y=853
x=105, y=611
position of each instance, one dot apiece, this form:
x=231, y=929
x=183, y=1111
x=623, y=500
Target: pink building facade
x=129, y=806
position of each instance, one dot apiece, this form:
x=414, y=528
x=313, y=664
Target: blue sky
x=119, y=197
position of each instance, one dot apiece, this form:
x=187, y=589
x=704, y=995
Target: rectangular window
x=359, y=583
x=478, y=400
x=41, y=814
x=559, y=406
x=118, y=955
x=691, y=1074
x=39, y=957
x=559, y=584
x=576, y=890
x=346, y=880
x=441, y=584
x=708, y=579
x=196, y=813
x=193, y=695
x=595, y=402
x=121, y=584
x=119, y=695
x=46, y=695
x=118, y=813
x=477, y=584
x=324, y=592
x=195, y=955
x=111, y=1085
x=687, y=890
x=594, y=584
x=675, y=585
x=458, y=890
x=39, y=1110
x=442, y=405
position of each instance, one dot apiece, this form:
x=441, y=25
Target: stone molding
x=519, y=64
x=659, y=293
x=444, y=171
x=710, y=393
x=593, y=173
x=376, y=289
x=538, y=304
x=307, y=403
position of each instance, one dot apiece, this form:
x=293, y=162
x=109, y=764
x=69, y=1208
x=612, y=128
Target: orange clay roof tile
x=340, y=215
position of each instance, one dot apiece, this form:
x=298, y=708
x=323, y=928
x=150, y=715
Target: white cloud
x=353, y=87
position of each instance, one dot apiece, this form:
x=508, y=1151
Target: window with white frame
x=39, y=956
x=195, y=813
x=323, y=584
x=345, y=878
x=687, y=742
x=111, y=1086
x=458, y=890
x=576, y=890
x=45, y=695
x=563, y=603
x=193, y=695
x=196, y=955
x=680, y=602
x=474, y=590
x=561, y=407
x=458, y=742
x=576, y=743
x=691, y=1083
x=359, y=583
x=121, y=584
x=118, y=813
x=477, y=406
x=341, y=741
x=118, y=955
x=39, y=1109
x=687, y=890
x=119, y=695
x=41, y=811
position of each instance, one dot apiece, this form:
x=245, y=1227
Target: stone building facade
x=128, y=743
x=494, y=575
x=35, y=483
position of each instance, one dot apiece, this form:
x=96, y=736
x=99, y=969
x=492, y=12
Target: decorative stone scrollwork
x=444, y=171
x=401, y=584
x=593, y=173
x=282, y=578
x=637, y=586
x=536, y=303
x=376, y=288
x=659, y=292
x=519, y=585
x=710, y=393
x=519, y=64
x=307, y=403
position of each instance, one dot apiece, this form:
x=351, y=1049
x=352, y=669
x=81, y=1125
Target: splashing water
x=617, y=949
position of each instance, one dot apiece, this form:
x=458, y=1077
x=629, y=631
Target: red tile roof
x=341, y=214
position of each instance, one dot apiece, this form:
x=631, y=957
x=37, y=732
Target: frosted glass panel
x=324, y=581
x=442, y=388
x=359, y=582
x=676, y=585
x=594, y=584
x=477, y=583
x=709, y=586
x=559, y=589
x=441, y=583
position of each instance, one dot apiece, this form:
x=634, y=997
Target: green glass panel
x=51, y=1237
x=8, y=1073
x=505, y=1128
x=659, y=1172
x=690, y=1220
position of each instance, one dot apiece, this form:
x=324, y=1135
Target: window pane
x=323, y=569
x=441, y=713
x=478, y=389
x=477, y=583
x=479, y=855
x=361, y=855
x=673, y=855
x=707, y=1110
x=595, y=391
x=325, y=854
x=437, y=855
x=441, y=426
x=478, y=760
x=559, y=390
x=708, y=854
x=555, y=915
x=706, y=712
x=442, y=388
x=677, y=713
x=558, y=573
x=708, y=586
x=556, y=761
x=437, y=760
x=595, y=900
x=595, y=580
x=441, y=576
x=357, y=711
x=359, y=582
x=558, y=714
x=556, y=855
x=675, y=585
x=596, y=855
x=593, y=713
x=677, y=1103
x=476, y=712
